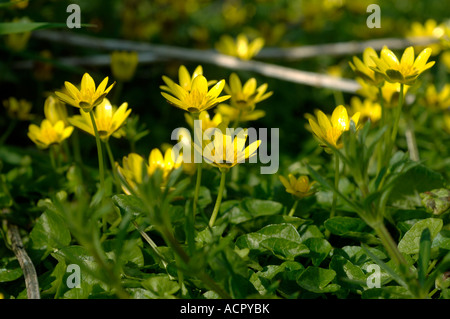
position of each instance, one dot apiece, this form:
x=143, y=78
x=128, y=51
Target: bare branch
x=341, y=48
x=31, y=280
x=203, y=56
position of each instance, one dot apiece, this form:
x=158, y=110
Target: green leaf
x=424, y=255
x=348, y=275
x=408, y=186
x=129, y=204
x=319, y=248
x=283, y=240
x=283, y=248
x=9, y=270
x=410, y=243
x=350, y=227
x=161, y=286
x=49, y=233
x=258, y=207
x=317, y=280
x=389, y=292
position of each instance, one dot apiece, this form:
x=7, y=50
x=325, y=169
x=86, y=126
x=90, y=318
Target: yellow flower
x=18, y=109
x=167, y=163
x=404, y=71
x=20, y=4
x=437, y=100
x=184, y=78
x=246, y=96
x=330, y=131
x=232, y=114
x=18, y=41
x=367, y=109
x=241, y=48
x=48, y=134
x=87, y=97
x=363, y=69
x=108, y=119
x=192, y=93
x=225, y=152
x=300, y=187
x=123, y=65
x=134, y=168
x=207, y=122
x=429, y=29
x=55, y=111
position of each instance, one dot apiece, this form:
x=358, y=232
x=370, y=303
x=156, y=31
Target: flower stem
x=381, y=154
x=219, y=199
x=9, y=130
x=411, y=140
x=398, y=112
x=292, y=211
x=389, y=244
x=112, y=163
x=199, y=179
x=99, y=152
x=336, y=185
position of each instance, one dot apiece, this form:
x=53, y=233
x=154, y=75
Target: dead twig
x=29, y=272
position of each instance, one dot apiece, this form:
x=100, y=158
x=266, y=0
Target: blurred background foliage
x=199, y=24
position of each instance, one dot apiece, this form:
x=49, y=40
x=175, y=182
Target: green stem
x=219, y=198
x=294, y=207
x=381, y=154
x=99, y=152
x=9, y=130
x=398, y=112
x=389, y=244
x=199, y=179
x=51, y=153
x=411, y=139
x=336, y=185
x=112, y=163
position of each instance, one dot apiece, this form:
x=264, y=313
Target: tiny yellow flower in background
x=429, y=29
x=20, y=4
x=207, y=122
x=48, y=134
x=88, y=96
x=299, y=187
x=18, y=41
x=363, y=69
x=404, y=71
x=330, y=130
x=232, y=113
x=225, y=152
x=108, y=119
x=241, y=48
x=123, y=65
x=367, y=109
x=166, y=163
x=437, y=100
x=55, y=111
x=134, y=167
x=18, y=109
x=192, y=94
x=246, y=96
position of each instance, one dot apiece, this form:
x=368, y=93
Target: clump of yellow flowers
x=53, y=129
x=134, y=167
x=108, y=118
x=329, y=130
x=193, y=94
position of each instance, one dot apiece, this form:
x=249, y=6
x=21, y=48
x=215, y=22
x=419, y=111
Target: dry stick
x=341, y=48
x=203, y=56
x=31, y=280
